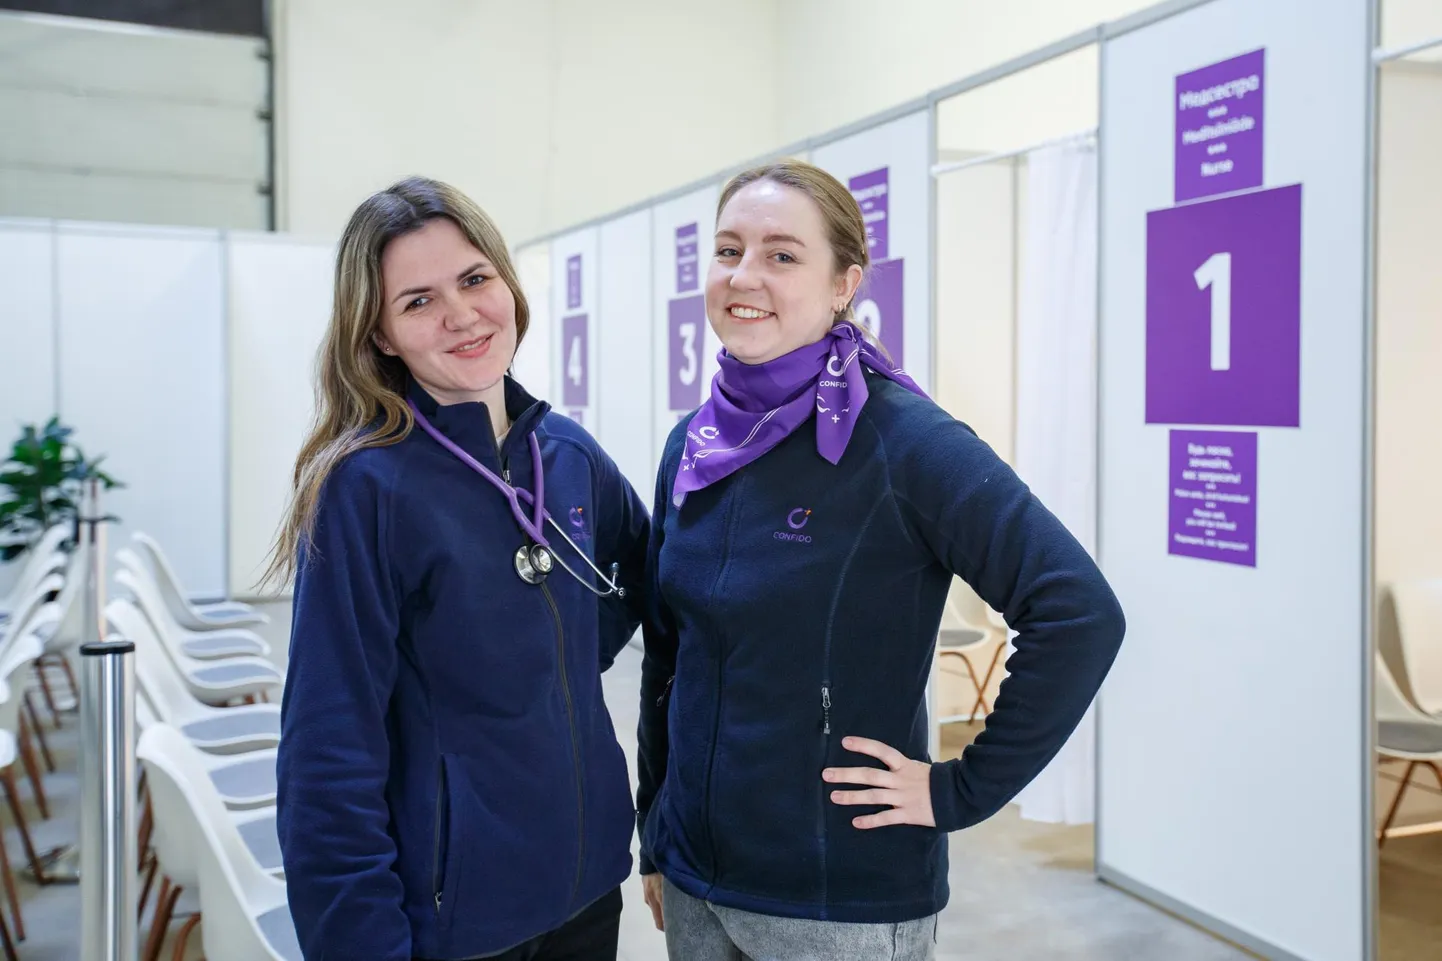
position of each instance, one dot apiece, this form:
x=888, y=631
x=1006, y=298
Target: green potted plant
x=42, y=482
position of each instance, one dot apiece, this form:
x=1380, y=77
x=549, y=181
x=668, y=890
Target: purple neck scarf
x=753, y=408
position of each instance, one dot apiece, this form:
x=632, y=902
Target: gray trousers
x=700, y=931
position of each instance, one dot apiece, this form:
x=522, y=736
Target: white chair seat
x=224, y=644
x=247, y=724
x=279, y=932
x=1419, y=739
x=245, y=782
x=261, y=838
x=199, y=617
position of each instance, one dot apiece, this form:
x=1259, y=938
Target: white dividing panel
x=573, y=345
x=888, y=169
x=623, y=345
x=27, y=326
x=143, y=381
x=280, y=299
x=1233, y=773
x=532, y=366
x=684, y=358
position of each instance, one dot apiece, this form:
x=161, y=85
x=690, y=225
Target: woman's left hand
x=905, y=786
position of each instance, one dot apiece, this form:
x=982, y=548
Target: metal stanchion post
x=108, y=855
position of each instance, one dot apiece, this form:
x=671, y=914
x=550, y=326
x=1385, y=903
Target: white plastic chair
x=959, y=638
x=216, y=730
x=201, y=645
x=32, y=576
x=1405, y=733
x=1409, y=639
x=197, y=617
x=39, y=562
x=245, y=909
x=217, y=681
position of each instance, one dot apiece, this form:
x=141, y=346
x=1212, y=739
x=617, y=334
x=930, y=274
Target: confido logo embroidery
x=796, y=520
x=578, y=524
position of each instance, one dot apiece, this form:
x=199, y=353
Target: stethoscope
x=535, y=560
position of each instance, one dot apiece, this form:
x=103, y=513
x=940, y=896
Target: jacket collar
x=469, y=424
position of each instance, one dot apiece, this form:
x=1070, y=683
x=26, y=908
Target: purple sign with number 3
x=686, y=326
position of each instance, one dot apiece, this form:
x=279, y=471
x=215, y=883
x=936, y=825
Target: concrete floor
x=1020, y=890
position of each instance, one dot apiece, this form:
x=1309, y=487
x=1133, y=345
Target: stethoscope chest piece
x=533, y=563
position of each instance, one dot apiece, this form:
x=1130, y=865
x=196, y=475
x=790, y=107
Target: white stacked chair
x=213, y=642
x=216, y=681
x=197, y=617
x=45, y=557
x=246, y=916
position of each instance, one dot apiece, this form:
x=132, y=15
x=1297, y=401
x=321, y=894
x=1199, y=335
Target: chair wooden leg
x=164, y=911
x=147, y=824
x=1396, y=802
x=154, y=866
x=179, y=953
x=7, y=778
x=8, y=874
x=39, y=730
x=45, y=690
x=981, y=688
x=69, y=676
x=10, y=954
x=32, y=767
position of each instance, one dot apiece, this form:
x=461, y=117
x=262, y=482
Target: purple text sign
x=687, y=272
x=687, y=338
x=575, y=362
x=573, y=282
x=872, y=191
x=879, y=307
x=1224, y=311
x=1219, y=127
x=1214, y=496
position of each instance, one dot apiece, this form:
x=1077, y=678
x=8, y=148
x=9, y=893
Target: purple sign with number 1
x=1224, y=311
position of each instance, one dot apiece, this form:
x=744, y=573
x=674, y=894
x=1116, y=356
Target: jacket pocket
x=445, y=853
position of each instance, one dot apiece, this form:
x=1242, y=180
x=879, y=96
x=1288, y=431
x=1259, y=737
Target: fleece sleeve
x=331, y=811
x=985, y=525
x=622, y=533
x=658, y=669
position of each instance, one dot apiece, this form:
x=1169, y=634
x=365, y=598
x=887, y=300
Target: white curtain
x=1056, y=404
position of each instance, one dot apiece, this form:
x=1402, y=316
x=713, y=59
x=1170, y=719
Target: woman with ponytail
x=809, y=518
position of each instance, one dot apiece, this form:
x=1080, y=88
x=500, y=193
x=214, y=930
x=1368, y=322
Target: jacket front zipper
x=438, y=871
x=575, y=747
x=720, y=681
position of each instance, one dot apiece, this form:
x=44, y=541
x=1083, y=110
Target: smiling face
x=773, y=284
x=447, y=314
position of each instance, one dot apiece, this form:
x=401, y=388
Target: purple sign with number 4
x=575, y=390
x=1224, y=311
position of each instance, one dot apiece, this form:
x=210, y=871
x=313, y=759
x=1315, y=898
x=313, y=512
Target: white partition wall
x=888, y=169
x=624, y=346
x=280, y=293
x=573, y=304
x=1234, y=782
x=27, y=326
x=685, y=353
x=143, y=380
x=532, y=366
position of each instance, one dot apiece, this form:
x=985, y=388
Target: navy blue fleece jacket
x=450, y=782
x=797, y=602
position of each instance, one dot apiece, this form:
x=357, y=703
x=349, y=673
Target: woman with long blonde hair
x=466, y=564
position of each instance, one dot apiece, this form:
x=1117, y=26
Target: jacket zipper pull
x=666, y=690
x=826, y=708
x=438, y=902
